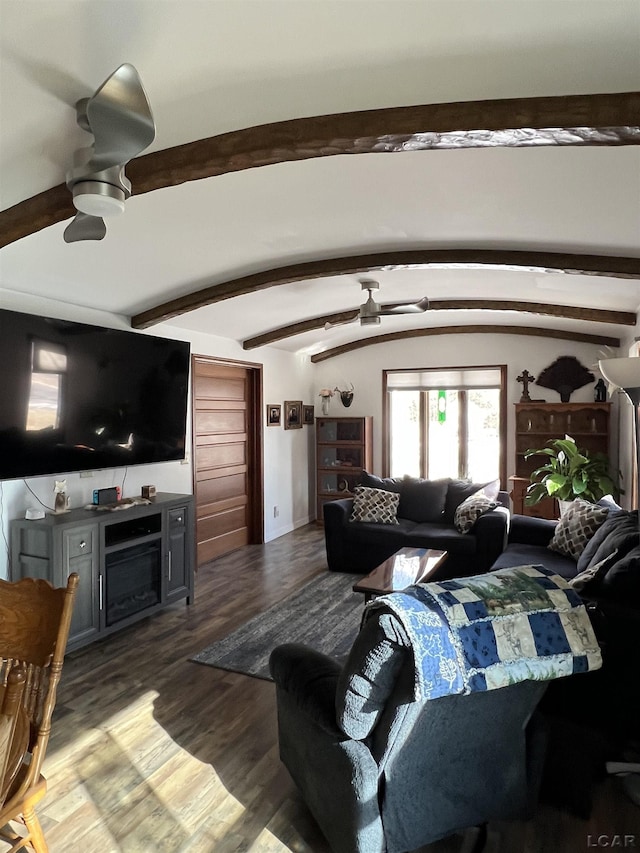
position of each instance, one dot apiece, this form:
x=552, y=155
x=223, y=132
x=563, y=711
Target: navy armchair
x=382, y=773
x=430, y=727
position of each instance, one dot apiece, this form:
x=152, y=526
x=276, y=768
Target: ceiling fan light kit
x=119, y=118
x=96, y=198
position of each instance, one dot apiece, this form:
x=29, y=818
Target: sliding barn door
x=227, y=411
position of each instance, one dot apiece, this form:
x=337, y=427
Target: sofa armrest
x=528, y=530
x=337, y=512
x=336, y=516
x=504, y=498
x=491, y=531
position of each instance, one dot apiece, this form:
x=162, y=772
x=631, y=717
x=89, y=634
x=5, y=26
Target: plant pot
x=564, y=506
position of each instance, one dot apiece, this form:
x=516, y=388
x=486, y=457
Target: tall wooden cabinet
x=538, y=423
x=343, y=450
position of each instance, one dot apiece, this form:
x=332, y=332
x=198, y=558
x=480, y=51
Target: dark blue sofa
x=425, y=520
x=595, y=716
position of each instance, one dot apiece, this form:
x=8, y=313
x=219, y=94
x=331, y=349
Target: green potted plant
x=569, y=473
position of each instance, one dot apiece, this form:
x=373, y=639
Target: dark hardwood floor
x=151, y=753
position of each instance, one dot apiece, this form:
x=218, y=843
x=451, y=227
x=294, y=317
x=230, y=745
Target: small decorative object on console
x=60, y=500
x=148, y=491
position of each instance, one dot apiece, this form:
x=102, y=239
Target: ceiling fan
x=370, y=311
x=120, y=119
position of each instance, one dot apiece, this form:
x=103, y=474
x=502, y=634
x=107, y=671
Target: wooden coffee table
x=404, y=568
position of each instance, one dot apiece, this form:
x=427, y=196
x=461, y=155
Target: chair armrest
x=528, y=530
x=310, y=680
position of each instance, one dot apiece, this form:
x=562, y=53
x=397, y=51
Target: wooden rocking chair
x=34, y=627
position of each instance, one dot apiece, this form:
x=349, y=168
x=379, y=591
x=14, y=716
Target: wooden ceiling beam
x=559, y=262
x=570, y=312
x=609, y=119
x=530, y=331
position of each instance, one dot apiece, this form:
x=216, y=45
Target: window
x=446, y=423
x=48, y=367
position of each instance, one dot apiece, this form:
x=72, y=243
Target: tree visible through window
x=449, y=431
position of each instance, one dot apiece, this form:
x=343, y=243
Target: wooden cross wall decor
x=526, y=378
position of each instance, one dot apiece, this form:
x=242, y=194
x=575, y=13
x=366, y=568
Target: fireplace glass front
x=132, y=580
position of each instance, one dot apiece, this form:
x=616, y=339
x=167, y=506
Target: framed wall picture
x=274, y=414
x=293, y=414
x=307, y=415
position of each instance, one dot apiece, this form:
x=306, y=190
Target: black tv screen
x=75, y=397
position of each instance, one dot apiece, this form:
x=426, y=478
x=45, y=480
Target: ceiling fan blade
x=84, y=227
x=328, y=326
x=391, y=308
x=119, y=117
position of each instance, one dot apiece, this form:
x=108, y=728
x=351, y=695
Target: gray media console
x=131, y=562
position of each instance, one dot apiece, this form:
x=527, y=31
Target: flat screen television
x=76, y=397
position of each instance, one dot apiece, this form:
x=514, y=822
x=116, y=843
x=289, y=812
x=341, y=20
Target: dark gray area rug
x=325, y=614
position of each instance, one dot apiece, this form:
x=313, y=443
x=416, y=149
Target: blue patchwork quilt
x=488, y=631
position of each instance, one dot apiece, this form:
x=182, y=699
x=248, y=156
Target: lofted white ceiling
x=213, y=66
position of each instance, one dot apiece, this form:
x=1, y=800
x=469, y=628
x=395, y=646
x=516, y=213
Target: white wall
x=364, y=369
x=288, y=454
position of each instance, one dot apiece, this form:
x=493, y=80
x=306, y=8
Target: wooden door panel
x=223, y=488
x=212, y=548
x=220, y=422
x=222, y=523
x=220, y=389
x=227, y=414
x=221, y=455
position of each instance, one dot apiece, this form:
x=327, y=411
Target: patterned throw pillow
x=375, y=505
x=470, y=511
x=576, y=527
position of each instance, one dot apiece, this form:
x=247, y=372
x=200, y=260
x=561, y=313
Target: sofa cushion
x=609, y=502
x=459, y=490
x=523, y=554
x=622, y=581
x=443, y=537
x=614, y=518
x=375, y=505
x=422, y=500
x=389, y=484
x=591, y=576
x=374, y=533
x=576, y=527
x=470, y=511
x=620, y=535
